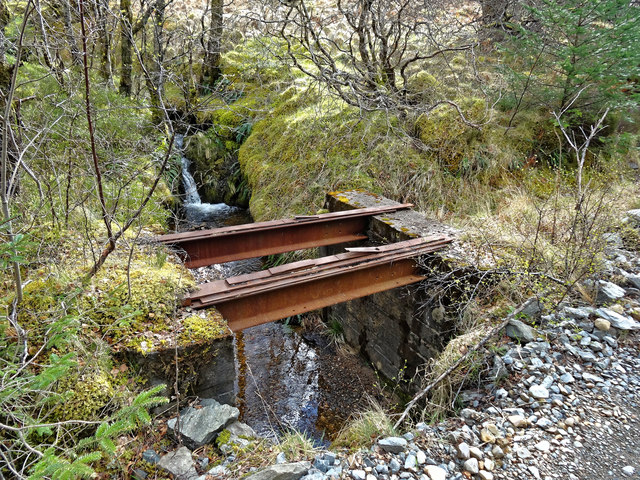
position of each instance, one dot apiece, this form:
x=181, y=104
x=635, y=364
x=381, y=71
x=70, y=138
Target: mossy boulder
x=85, y=396
x=126, y=299
x=203, y=328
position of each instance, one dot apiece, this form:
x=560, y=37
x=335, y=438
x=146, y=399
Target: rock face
x=608, y=292
x=199, y=426
x=284, y=471
x=520, y=331
x=180, y=464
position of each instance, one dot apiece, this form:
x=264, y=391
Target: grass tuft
x=365, y=427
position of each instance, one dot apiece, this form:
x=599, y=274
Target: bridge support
x=395, y=329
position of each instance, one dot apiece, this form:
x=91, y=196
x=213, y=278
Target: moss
x=203, y=328
x=224, y=437
x=84, y=396
x=155, y=290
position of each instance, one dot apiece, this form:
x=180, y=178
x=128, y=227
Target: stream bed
x=287, y=376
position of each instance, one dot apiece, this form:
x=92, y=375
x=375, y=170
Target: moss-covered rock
x=85, y=396
x=203, y=328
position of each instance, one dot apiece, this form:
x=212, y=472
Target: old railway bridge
x=294, y=288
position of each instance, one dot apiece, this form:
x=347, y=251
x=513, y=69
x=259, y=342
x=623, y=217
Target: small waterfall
x=196, y=211
x=190, y=188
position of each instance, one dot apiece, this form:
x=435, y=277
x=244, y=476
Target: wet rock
x=199, y=426
x=284, y=471
x=393, y=444
x=179, y=464
x=520, y=331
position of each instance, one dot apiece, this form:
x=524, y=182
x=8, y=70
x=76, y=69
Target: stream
x=288, y=377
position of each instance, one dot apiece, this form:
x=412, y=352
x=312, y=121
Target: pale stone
x=180, y=464
x=476, y=453
x=487, y=436
x=471, y=466
x=435, y=473
x=393, y=444
x=284, y=471
x=602, y=324
x=518, y=421
x=543, y=446
x=538, y=391
x=463, y=451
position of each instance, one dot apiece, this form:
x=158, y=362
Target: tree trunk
x=126, y=47
x=71, y=39
x=211, y=70
x=155, y=79
x=105, y=41
x=494, y=16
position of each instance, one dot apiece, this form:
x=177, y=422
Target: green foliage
x=578, y=46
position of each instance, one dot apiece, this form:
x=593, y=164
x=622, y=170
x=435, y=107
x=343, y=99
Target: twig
x=453, y=367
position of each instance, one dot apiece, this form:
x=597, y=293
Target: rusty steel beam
x=269, y=295
x=227, y=244
x=296, y=299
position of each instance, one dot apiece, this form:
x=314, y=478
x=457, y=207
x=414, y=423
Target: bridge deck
x=299, y=287
x=206, y=247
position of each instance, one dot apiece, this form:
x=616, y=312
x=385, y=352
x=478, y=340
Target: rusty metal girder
x=206, y=247
x=300, y=287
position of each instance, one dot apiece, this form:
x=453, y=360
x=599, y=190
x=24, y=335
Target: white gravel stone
x=543, y=446
x=471, y=466
x=435, y=473
x=538, y=391
x=463, y=451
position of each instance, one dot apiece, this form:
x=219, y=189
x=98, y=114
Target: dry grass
x=297, y=446
x=365, y=427
x=442, y=397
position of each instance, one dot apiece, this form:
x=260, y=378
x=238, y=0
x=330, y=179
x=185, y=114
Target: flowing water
x=288, y=377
